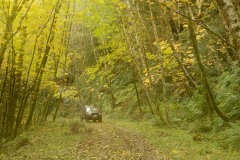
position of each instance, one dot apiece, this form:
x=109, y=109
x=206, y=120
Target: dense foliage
x=176, y=60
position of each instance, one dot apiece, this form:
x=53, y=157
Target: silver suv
x=91, y=113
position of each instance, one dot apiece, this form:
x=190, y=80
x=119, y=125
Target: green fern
x=228, y=93
x=197, y=106
x=232, y=136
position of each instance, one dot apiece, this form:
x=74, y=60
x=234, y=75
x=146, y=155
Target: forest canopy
x=177, y=60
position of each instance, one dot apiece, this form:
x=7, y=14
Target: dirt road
x=109, y=141
x=98, y=141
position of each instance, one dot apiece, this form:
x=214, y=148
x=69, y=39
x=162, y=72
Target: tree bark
x=26, y=93
x=8, y=34
x=141, y=47
x=205, y=80
x=161, y=61
x=136, y=90
x=43, y=64
x=57, y=107
x=232, y=20
x=135, y=62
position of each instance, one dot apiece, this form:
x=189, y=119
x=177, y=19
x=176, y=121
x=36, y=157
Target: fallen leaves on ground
x=100, y=141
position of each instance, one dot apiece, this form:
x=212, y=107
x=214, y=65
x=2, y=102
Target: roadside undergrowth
x=70, y=139
x=180, y=144
x=48, y=141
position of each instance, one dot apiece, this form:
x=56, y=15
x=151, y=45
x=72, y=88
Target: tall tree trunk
x=43, y=64
x=139, y=67
x=136, y=90
x=10, y=18
x=8, y=31
x=141, y=45
x=48, y=106
x=3, y=102
x=205, y=80
x=66, y=41
x=25, y=93
x=12, y=94
x=232, y=20
x=57, y=107
x=175, y=37
x=15, y=83
x=161, y=61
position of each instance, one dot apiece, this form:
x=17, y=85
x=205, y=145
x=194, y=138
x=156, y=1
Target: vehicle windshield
x=90, y=109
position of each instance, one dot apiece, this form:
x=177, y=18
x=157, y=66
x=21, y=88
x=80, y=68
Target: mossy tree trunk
x=205, y=80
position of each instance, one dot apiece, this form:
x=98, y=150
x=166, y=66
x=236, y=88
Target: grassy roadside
x=60, y=141
x=53, y=140
x=178, y=144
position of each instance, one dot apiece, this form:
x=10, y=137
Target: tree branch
x=202, y=25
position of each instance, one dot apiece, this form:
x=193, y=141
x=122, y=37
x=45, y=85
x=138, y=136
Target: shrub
x=24, y=141
x=197, y=107
x=228, y=93
x=201, y=127
x=77, y=127
x=232, y=136
x=156, y=122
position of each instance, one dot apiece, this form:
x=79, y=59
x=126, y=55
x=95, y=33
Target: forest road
x=108, y=141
